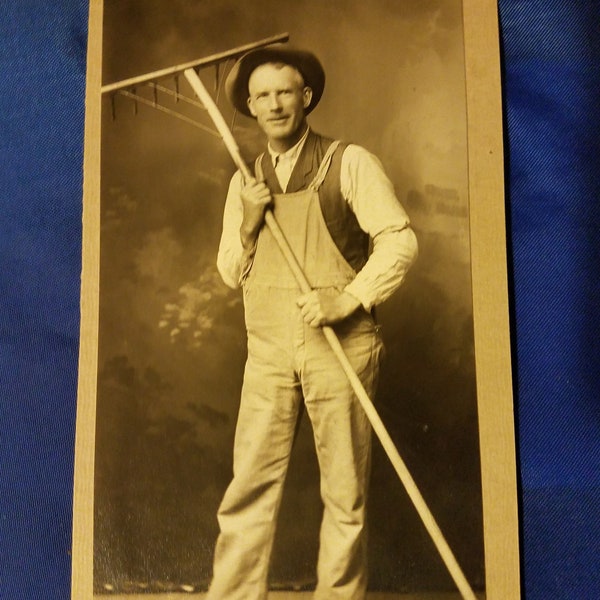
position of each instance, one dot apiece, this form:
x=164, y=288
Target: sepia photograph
x=295, y=365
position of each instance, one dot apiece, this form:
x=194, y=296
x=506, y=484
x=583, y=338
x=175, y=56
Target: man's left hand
x=320, y=309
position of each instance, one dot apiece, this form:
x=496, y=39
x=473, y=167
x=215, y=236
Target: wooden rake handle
x=376, y=422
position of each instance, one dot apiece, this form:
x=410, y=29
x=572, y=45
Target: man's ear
x=251, y=106
x=307, y=96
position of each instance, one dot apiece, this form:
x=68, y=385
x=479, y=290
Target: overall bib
x=289, y=363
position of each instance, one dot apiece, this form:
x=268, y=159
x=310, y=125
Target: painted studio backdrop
x=172, y=343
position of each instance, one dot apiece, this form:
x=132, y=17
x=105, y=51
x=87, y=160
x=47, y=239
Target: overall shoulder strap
x=324, y=167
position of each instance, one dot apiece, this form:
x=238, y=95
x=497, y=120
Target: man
x=330, y=200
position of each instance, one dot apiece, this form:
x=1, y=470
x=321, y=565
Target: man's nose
x=274, y=102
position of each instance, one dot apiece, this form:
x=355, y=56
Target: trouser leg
x=265, y=432
x=343, y=443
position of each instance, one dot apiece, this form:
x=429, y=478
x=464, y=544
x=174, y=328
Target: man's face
x=278, y=99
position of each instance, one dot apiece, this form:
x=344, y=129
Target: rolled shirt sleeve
x=370, y=194
x=233, y=261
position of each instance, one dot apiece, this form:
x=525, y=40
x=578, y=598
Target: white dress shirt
x=284, y=162
x=370, y=195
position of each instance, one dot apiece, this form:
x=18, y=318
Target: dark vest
x=341, y=222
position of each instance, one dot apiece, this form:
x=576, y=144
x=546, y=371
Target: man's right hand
x=256, y=198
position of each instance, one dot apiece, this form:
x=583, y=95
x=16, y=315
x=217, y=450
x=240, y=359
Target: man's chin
x=279, y=136
x=283, y=132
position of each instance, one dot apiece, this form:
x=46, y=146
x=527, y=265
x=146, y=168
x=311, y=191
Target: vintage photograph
x=289, y=343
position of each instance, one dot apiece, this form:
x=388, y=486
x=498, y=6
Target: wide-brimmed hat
x=236, y=84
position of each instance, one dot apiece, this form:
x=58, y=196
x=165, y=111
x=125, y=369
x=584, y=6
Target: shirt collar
x=290, y=154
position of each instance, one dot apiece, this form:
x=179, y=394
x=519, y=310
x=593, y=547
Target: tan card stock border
x=490, y=304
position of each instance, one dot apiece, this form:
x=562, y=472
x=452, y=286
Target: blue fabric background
x=551, y=88
x=550, y=51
